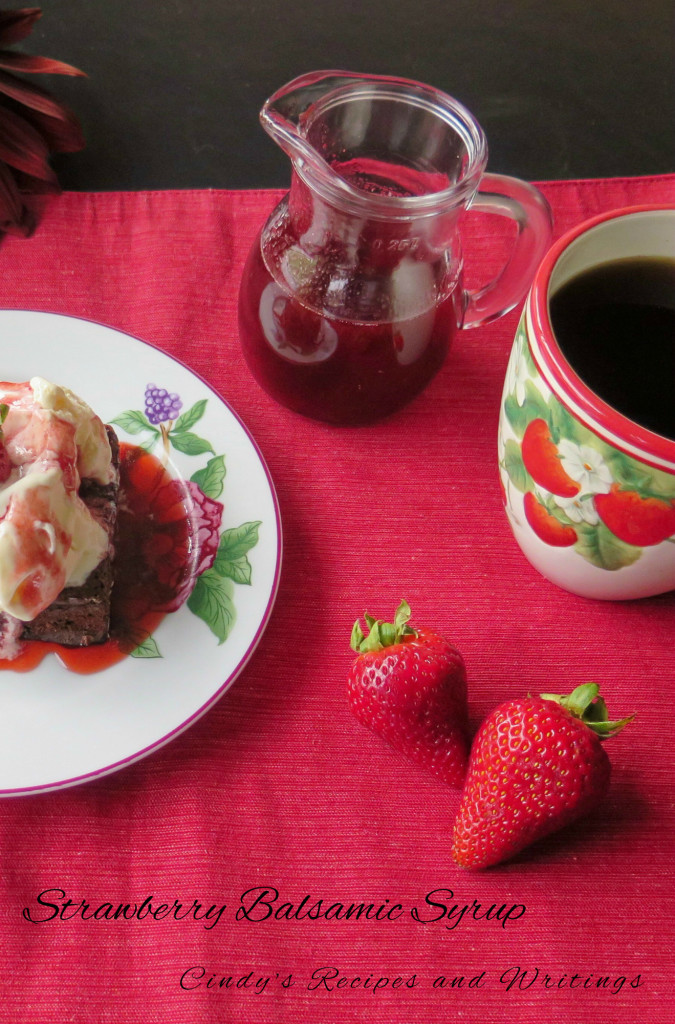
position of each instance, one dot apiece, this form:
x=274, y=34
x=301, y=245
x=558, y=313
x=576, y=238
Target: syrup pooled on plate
x=154, y=566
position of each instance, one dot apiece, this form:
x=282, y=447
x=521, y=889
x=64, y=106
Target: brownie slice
x=80, y=616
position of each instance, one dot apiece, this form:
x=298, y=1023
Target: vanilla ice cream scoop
x=48, y=537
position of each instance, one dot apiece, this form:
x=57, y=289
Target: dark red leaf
x=22, y=146
x=32, y=123
x=30, y=95
x=12, y=203
x=14, y=216
x=62, y=135
x=28, y=185
x=36, y=65
x=16, y=25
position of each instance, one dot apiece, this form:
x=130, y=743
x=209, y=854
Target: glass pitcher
x=352, y=293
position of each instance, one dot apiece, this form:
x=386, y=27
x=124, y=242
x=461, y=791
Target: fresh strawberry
x=546, y=526
x=542, y=460
x=635, y=519
x=536, y=765
x=5, y=464
x=409, y=686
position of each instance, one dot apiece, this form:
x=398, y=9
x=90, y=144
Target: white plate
x=59, y=728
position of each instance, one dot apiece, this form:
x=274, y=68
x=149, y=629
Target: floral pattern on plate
x=219, y=559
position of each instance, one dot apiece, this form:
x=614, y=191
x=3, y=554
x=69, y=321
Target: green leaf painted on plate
x=133, y=421
x=231, y=560
x=211, y=601
x=191, y=416
x=237, y=569
x=189, y=444
x=210, y=479
x=148, y=649
x=238, y=541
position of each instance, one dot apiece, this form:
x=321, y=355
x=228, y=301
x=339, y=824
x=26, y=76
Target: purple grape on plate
x=160, y=405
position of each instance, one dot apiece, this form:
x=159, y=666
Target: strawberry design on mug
x=546, y=526
x=634, y=518
x=543, y=461
x=587, y=426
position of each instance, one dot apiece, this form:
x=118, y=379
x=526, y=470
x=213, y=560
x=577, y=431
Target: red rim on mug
x=615, y=428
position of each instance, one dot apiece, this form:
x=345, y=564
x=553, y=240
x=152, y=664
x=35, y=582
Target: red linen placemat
x=278, y=786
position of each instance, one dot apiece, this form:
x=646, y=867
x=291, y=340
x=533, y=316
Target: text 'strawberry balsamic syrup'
x=352, y=293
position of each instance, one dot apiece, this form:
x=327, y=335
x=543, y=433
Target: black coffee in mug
x=615, y=325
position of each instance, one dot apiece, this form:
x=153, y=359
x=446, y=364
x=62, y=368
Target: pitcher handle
x=523, y=203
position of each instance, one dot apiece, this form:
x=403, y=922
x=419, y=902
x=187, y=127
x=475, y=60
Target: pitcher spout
x=284, y=113
x=362, y=138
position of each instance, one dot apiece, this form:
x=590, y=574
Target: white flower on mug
x=517, y=375
x=579, y=509
x=585, y=465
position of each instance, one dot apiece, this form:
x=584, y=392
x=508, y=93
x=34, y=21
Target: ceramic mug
x=589, y=491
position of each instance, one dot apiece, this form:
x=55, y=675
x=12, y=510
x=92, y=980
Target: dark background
x=563, y=89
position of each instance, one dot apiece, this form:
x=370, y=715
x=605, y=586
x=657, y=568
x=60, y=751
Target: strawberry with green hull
x=409, y=687
x=537, y=764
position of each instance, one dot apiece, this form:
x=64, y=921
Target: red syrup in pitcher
x=365, y=326
x=153, y=566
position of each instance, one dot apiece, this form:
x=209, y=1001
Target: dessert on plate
x=59, y=480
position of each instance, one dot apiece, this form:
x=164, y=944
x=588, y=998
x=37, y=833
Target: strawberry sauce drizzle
x=153, y=558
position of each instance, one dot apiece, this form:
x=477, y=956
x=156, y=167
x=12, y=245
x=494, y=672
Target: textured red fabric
x=278, y=786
